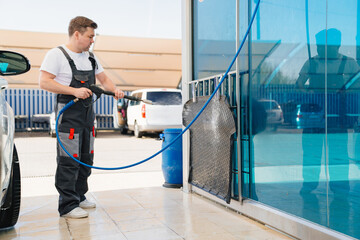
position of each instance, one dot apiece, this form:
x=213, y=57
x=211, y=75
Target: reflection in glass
x=214, y=37
x=12, y=63
x=305, y=165
x=328, y=71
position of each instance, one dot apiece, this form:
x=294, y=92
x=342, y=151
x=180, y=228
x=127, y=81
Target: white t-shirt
x=56, y=63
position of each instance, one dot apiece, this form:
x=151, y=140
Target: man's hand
x=118, y=93
x=109, y=85
x=82, y=93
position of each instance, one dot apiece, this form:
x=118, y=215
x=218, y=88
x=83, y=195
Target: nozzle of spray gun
x=147, y=101
x=138, y=99
x=98, y=91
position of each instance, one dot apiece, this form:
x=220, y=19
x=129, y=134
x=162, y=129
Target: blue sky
x=136, y=18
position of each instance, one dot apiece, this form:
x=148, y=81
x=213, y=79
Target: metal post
x=186, y=58
x=249, y=109
x=238, y=103
x=194, y=88
x=216, y=82
x=358, y=32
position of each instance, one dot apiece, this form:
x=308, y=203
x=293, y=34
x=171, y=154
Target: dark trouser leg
x=66, y=175
x=340, y=208
x=339, y=164
x=84, y=173
x=67, y=171
x=87, y=158
x=312, y=144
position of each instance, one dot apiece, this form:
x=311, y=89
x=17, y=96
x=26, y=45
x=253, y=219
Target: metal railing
x=205, y=87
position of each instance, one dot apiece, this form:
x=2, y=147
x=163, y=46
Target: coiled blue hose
x=72, y=102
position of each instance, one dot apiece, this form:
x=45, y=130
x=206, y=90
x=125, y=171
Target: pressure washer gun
x=98, y=91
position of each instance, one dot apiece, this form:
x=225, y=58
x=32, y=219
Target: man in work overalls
x=68, y=71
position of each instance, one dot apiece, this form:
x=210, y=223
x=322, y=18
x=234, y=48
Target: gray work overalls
x=77, y=133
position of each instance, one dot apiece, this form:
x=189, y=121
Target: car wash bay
x=131, y=204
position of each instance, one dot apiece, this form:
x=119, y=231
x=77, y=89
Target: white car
x=164, y=112
x=11, y=63
x=274, y=112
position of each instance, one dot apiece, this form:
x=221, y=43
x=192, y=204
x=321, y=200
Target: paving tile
x=142, y=224
x=153, y=213
x=210, y=236
x=153, y=234
x=43, y=235
x=260, y=235
x=90, y=230
x=131, y=215
x=105, y=236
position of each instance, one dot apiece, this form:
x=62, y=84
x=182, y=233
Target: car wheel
x=53, y=134
x=124, y=130
x=9, y=215
x=137, y=132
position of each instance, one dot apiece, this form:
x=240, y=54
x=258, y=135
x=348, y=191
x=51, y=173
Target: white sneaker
x=86, y=204
x=76, y=213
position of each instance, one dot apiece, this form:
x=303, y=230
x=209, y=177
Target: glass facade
x=301, y=140
x=213, y=36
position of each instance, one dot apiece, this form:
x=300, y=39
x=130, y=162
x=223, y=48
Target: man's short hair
x=80, y=24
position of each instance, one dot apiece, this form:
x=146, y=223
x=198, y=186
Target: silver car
x=11, y=63
x=275, y=116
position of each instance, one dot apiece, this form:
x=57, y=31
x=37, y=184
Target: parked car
x=11, y=63
x=119, y=115
x=289, y=108
x=52, y=125
x=275, y=116
x=40, y=121
x=164, y=112
x=309, y=115
x=41, y=118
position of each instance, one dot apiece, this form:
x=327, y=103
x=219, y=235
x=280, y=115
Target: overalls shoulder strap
x=71, y=62
x=92, y=60
x=313, y=65
x=342, y=64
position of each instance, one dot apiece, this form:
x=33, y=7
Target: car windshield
x=164, y=98
x=310, y=108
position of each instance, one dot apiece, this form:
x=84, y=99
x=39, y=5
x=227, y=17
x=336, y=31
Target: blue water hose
x=72, y=102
